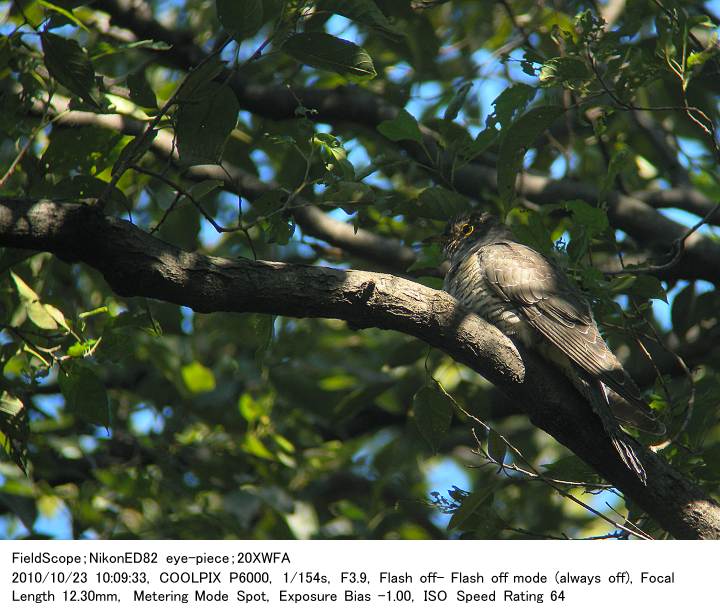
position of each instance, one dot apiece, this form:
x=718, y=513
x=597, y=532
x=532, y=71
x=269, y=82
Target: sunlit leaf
x=403, y=127
x=198, y=378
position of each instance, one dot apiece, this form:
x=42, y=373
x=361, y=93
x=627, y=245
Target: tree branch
x=137, y=264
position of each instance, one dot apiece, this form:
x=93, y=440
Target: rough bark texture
x=137, y=264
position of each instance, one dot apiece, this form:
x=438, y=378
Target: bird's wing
x=544, y=295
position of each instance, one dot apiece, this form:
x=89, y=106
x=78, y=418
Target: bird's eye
x=467, y=230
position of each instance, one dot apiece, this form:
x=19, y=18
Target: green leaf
x=362, y=11
x=269, y=203
x=264, y=325
x=140, y=91
x=511, y=102
x=531, y=228
x=441, y=204
x=593, y=219
x=25, y=292
x=45, y=316
x=117, y=344
x=458, y=100
x=698, y=58
x=197, y=378
x=9, y=404
x=255, y=447
x=649, y=287
x=433, y=410
x=84, y=393
x=82, y=149
x=24, y=507
x=403, y=128
x=334, y=156
x=37, y=314
x=331, y=53
x=430, y=256
x=56, y=315
x=473, y=501
x=204, y=123
x=279, y=229
x=277, y=224
x=618, y=162
x=65, y=13
x=199, y=78
x=477, y=146
x=485, y=523
x=250, y=409
x=567, y=71
x=349, y=195
x=68, y=63
x=518, y=138
x=683, y=310
x=639, y=286
x=588, y=222
x=242, y=18
x=80, y=349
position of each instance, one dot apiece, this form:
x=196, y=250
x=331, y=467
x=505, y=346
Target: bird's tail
x=636, y=414
x=626, y=452
x=597, y=394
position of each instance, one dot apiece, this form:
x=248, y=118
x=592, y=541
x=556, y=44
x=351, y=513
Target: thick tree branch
x=137, y=264
x=686, y=198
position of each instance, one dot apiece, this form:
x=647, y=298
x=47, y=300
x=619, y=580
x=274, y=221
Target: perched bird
x=530, y=299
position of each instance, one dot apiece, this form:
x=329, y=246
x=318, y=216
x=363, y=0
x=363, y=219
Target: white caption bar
x=322, y=577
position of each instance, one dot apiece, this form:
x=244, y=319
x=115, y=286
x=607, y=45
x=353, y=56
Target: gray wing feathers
x=544, y=295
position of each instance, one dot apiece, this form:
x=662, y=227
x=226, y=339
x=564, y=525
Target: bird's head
x=469, y=230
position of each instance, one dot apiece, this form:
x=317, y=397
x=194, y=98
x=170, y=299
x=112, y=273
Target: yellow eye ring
x=467, y=230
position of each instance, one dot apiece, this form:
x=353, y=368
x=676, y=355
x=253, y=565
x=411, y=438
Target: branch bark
x=137, y=264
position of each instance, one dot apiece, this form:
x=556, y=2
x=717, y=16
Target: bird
x=532, y=300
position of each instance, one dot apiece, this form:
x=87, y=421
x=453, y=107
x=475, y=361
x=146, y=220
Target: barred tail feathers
x=597, y=394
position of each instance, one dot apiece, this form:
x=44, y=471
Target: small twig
x=516, y=22
x=627, y=518
x=17, y=160
x=529, y=474
x=529, y=533
x=181, y=191
x=687, y=411
x=24, y=150
x=166, y=213
x=554, y=486
x=678, y=250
